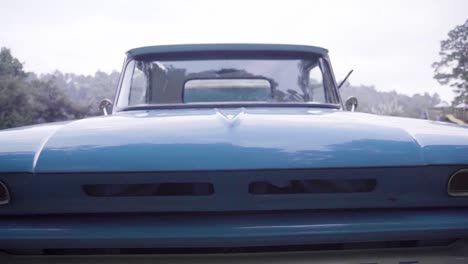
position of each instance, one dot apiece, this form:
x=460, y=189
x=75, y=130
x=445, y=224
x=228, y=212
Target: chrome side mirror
x=351, y=103
x=105, y=106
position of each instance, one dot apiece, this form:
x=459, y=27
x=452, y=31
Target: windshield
x=227, y=80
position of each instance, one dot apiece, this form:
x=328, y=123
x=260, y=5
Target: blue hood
x=231, y=139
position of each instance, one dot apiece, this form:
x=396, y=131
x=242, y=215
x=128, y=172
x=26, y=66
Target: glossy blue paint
x=220, y=48
x=20, y=147
x=204, y=139
x=230, y=230
x=260, y=138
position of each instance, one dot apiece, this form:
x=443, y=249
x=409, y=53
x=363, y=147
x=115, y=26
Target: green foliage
x=28, y=99
x=10, y=66
x=452, y=69
x=15, y=107
x=52, y=104
x=86, y=91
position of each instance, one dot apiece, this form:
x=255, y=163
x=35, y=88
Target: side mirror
x=105, y=106
x=351, y=103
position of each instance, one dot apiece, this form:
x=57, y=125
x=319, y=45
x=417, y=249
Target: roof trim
x=224, y=48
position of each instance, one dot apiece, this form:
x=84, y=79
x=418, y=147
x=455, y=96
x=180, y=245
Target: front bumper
x=455, y=254
x=195, y=230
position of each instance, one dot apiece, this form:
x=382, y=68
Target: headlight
x=4, y=194
x=458, y=183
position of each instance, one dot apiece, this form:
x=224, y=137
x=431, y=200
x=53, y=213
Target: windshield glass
x=222, y=80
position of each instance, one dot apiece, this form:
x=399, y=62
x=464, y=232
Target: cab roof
x=189, y=48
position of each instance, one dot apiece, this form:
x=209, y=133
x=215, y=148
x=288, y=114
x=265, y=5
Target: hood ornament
x=231, y=116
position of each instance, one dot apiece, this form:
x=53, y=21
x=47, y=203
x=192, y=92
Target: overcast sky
x=390, y=44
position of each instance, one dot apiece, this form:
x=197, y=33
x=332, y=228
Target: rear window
x=227, y=90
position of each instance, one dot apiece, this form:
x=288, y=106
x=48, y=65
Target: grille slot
x=150, y=189
x=313, y=186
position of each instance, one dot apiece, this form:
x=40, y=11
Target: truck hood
x=231, y=139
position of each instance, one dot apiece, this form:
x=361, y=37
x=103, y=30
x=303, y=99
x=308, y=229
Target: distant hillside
x=390, y=103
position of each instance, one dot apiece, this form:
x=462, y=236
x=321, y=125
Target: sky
x=390, y=44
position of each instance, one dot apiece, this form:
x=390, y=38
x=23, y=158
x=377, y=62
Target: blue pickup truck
x=233, y=152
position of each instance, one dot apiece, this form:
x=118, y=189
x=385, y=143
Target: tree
x=26, y=99
x=15, y=107
x=51, y=104
x=84, y=91
x=10, y=65
x=452, y=69
x=391, y=108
